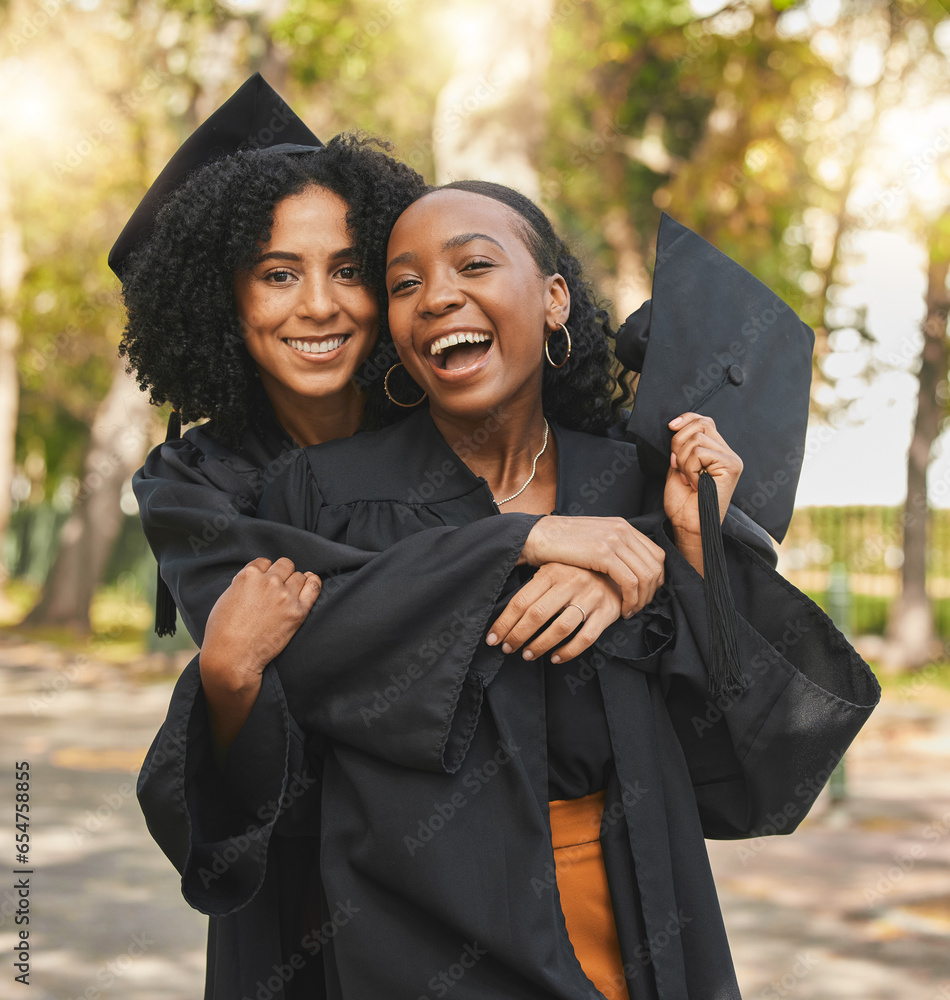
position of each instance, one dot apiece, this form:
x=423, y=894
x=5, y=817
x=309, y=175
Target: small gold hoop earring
x=406, y=406
x=547, y=351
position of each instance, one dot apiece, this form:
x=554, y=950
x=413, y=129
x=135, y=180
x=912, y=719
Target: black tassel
x=165, y=611
x=173, y=433
x=724, y=672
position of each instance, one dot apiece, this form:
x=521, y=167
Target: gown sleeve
x=217, y=828
x=759, y=755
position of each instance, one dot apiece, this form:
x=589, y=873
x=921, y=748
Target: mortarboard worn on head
x=715, y=340
x=255, y=116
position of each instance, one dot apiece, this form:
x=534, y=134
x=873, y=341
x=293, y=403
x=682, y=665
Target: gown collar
x=432, y=443
x=590, y=473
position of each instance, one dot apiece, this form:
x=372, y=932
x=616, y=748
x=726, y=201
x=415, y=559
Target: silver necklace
x=534, y=467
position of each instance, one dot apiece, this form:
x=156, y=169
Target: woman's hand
x=567, y=595
x=608, y=545
x=697, y=445
x=250, y=623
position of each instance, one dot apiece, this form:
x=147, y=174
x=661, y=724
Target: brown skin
x=458, y=263
x=236, y=649
x=307, y=288
x=697, y=445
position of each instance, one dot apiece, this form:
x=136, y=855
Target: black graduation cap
x=715, y=340
x=255, y=116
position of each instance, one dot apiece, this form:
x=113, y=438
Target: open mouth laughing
x=456, y=351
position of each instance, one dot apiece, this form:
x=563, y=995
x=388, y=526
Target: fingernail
x=555, y=658
x=505, y=648
x=528, y=655
x=628, y=615
x=492, y=639
x=676, y=421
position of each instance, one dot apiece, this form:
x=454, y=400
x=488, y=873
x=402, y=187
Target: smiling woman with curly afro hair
x=184, y=335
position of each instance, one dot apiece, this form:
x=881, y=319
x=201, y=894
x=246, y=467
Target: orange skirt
x=585, y=895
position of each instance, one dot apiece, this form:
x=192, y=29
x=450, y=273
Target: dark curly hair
x=584, y=394
x=183, y=338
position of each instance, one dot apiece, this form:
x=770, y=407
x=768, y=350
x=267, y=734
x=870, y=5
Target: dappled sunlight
x=809, y=141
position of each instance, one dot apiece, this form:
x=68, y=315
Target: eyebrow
x=453, y=243
x=345, y=254
x=459, y=241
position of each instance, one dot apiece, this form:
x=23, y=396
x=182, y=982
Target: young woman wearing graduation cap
x=538, y=832
x=244, y=276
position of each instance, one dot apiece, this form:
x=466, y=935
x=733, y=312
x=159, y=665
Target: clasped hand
x=697, y=447
x=253, y=620
x=591, y=571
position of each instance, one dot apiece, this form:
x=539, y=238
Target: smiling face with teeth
x=468, y=306
x=309, y=320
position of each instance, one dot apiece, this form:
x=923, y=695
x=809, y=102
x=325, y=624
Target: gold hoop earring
x=547, y=352
x=406, y=406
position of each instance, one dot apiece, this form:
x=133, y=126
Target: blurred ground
x=855, y=905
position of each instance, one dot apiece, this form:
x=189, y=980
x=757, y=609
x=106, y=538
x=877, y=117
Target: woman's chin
x=464, y=403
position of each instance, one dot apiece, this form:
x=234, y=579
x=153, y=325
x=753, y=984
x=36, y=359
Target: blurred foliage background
x=783, y=132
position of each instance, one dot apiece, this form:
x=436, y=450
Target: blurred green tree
x=755, y=125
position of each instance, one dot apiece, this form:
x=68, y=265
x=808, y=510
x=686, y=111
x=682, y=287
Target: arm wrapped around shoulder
x=760, y=754
x=391, y=659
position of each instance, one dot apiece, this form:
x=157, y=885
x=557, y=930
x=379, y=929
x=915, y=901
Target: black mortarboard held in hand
x=255, y=116
x=715, y=340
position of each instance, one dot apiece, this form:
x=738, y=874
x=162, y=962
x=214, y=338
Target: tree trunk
x=630, y=285
x=12, y=265
x=911, y=635
x=119, y=437
x=490, y=115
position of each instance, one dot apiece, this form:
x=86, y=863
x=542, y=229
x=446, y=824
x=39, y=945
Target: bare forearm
x=229, y=703
x=691, y=547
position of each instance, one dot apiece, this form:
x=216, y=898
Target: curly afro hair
x=183, y=338
x=583, y=394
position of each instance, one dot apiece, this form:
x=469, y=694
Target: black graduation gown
x=197, y=498
x=682, y=759
x=438, y=879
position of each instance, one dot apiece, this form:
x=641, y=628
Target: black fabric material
x=723, y=665
x=428, y=857
x=197, y=498
x=166, y=617
x=255, y=116
x=714, y=340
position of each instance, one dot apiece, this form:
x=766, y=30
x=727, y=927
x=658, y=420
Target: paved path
x=855, y=905
x=107, y=917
